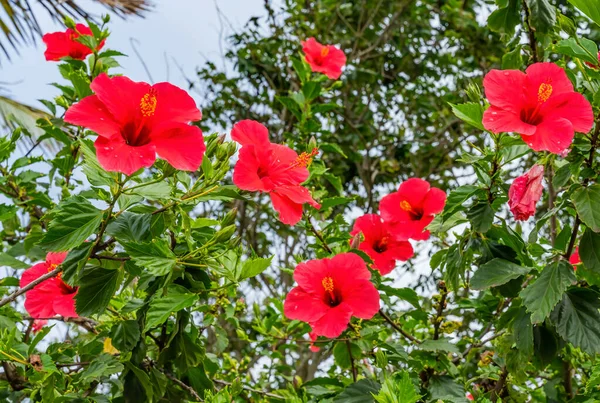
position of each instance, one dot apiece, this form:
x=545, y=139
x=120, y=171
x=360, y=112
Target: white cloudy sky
x=188, y=31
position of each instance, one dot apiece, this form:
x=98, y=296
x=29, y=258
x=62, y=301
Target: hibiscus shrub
x=128, y=274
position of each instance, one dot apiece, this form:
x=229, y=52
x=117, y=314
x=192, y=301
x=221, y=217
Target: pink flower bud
x=525, y=192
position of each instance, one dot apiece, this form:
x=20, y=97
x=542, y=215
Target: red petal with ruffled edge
x=116, y=156
x=91, y=113
x=181, y=145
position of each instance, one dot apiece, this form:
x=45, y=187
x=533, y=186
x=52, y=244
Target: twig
x=354, y=373
x=29, y=286
x=500, y=385
x=185, y=387
x=318, y=235
x=440, y=310
x=249, y=389
x=398, y=328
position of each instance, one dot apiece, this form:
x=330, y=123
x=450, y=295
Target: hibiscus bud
x=312, y=144
x=212, y=142
x=525, y=192
x=229, y=218
x=222, y=152
x=231, y=148
x=224, y=234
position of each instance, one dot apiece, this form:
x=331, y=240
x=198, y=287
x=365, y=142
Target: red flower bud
x=525, y=192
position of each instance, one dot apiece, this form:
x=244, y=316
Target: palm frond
x=15, y=114
x=19, y=23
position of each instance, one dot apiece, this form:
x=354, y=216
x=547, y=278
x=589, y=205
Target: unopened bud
x=229, y=217
x=312, y=144
x=69, y=23
x=224, y=234
x=356, y=240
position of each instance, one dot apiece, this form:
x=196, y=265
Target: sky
x=176, y=32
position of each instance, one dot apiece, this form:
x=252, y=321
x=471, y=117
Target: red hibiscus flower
x=380, y=244
x=326, y=59
x=272, y=168
x=539, y=104
x=412, y=208
x=525, y=192
x=135, y=121
x=63, y=44
x=51, y=297
x=575, y=259
x=469, y=396
x=330, y=292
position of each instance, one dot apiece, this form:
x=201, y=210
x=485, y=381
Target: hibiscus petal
x=370, y=225
x=181, y=145
x=120, y=95
x=574, y=107
x=174, y=104
x=554, y=135
x=399, y=250
x=334, y=322
x=546, y=73
x=38, y=301
x=92, y=114
x=64, y=305
x=299, y=305
x=346, y=269
x=363, y=299
x=290, y=213
x=434, y=201
x=56, y=257
x=282, y=158
x=57, y=46
x=504, y=89
x=389, y=208
x=117, y=156
x=383, y=263
x=414, y=191
x=309, y=276
x=245, y=172
x=499, y=120
x=248, y=132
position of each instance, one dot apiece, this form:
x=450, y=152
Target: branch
x=500, y=385
x=29, y=286
x=319, y=236
x=185, y=387
x=398, y=328
x=249, y=389
x=354, y=374
x=440, y=310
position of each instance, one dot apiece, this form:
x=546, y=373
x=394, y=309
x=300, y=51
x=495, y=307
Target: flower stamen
x=544, y=92
x=404, y=205
x=304, y=159
x=324, y=51
x=148, y=103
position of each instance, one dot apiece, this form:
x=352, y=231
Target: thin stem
x=185, y=387
x=354, y=373
x=29, y=286
x=398, y=328
x=318, y=235
x=262, y=392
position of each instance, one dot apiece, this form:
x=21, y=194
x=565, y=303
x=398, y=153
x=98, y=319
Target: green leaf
x=8, y=260
x=542, y=15
x=102, y=366
x=542, y=296
x=497, y=272
x=587, y=204
x=311, y=90
x=407, y=294
x=577, y=319
x=439, y=345
x=584, y=50
x=7, y=212
x=359, y=392
x=143, y=380
x=591, y=8
x=75, y=261
x=253, y=267
x=75, y=220
x=335, y=201
x=561, y=176
x=402, y=391
x=457, y=198
x=505, y=19
x=190, y=353
x=130, y=227
x=445, y=388
x=522, y=329
x=332, y=147
x=125, y=335
x=470, y=113
x=341, y=354
x=97, y=285
x=156, y=256
x=481, y=216
x=161, y=307
x=97, y=175
x=512, y=60
x=589, y=250
x=154, y=191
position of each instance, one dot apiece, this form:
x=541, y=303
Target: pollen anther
x=304, y=159
x=325, y=51
x=404, y=205
x=328, y=284
x=148, y=103
x=544, y=92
